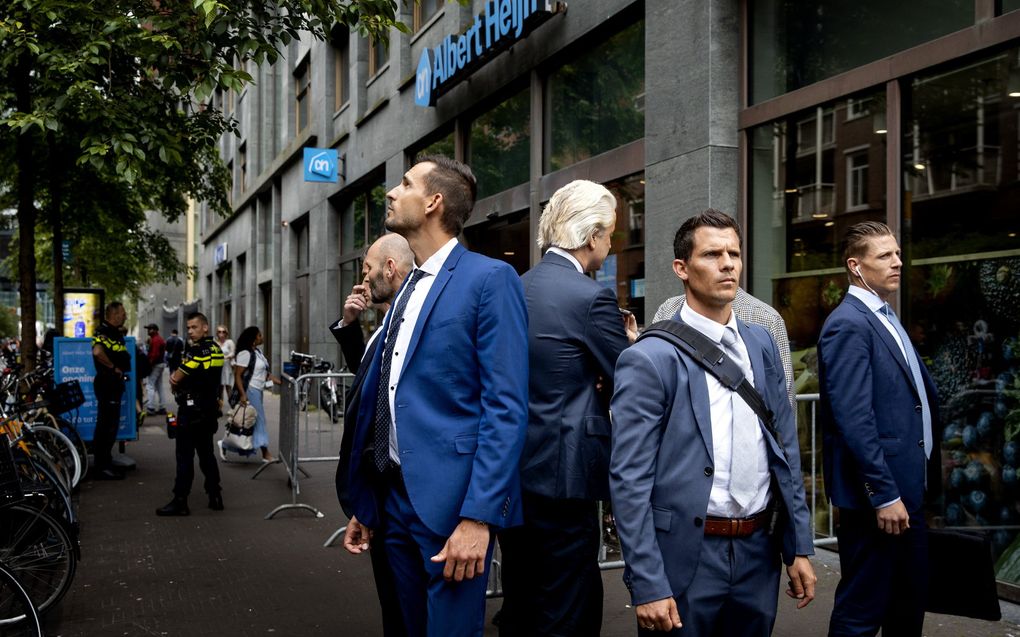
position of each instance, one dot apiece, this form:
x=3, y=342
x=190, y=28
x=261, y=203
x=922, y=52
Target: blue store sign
x=321, y=165
x=73, y=361
x=503, y=23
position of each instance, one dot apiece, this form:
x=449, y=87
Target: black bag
x=235, y=393
x=961, y=575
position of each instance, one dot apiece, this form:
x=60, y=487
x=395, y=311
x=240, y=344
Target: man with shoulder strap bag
x=705, y=472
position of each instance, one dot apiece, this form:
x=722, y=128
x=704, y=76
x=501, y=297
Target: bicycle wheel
x=37, y=477
x=59, y=447
x=69, y=430
x=18, y=616
x=39, y=551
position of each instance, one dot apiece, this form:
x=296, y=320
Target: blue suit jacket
x=871, y=414
x=461, y=404
x=575, y=335
x=661, y=468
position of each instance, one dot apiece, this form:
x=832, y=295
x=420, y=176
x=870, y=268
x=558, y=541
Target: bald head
x=387, y=262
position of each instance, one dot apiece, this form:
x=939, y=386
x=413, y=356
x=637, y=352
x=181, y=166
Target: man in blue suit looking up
x=706, y=498
x=878, y=408
x=576, y=332
x=443, y=410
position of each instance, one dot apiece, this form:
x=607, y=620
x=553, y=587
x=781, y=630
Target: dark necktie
x=383, y=418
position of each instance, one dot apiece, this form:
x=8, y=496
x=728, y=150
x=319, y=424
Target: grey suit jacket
x=661, y=467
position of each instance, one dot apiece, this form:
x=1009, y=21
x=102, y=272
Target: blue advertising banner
x=321, y=164
x=72, y=360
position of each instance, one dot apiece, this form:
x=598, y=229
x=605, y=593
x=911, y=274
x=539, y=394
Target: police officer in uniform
x=196, y=383
x=112, y=362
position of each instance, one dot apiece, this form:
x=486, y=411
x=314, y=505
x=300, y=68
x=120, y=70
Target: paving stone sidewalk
x=234, y=573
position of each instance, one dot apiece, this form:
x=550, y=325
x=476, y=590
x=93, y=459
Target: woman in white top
x=227, y=346
x=251, y=391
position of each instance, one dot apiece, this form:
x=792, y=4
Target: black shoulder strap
x=706, y=353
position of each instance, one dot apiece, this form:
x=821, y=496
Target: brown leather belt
x=735, y=527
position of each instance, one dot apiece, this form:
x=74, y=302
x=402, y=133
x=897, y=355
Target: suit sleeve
x=502, y=350
x=352, y=344
x=639, y=408
x=604, y=333
x=845, y=353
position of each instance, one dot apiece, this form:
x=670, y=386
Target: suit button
x=708, y=471
x=698, y=522
x=920, y=443
x=917, y=409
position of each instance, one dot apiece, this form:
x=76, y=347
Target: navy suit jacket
x=662, y=463
x=871, y=415
x=462, y=401
x=575, y=335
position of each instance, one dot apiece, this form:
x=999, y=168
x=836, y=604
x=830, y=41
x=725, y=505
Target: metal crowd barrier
x=311, y=427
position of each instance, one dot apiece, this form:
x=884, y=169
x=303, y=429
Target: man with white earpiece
x=879, y=408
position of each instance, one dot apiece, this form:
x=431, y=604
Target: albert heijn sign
x=503, y=23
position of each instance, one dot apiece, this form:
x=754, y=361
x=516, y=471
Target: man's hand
x=893, y=519
x=464, y=552
x=356, y=303
x=802, y=580
x=658, y=615
x=630, y=326
x=357, y=537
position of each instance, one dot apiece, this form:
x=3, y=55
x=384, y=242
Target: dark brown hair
x=457, y=184
x=683, y=240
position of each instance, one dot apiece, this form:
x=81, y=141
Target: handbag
x=243, y=416
x=961, y=575
x=240, y=428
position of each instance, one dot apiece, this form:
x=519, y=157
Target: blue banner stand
x=72, y=360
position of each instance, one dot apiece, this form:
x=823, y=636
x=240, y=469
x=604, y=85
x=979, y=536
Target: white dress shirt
x=566, y=255
x=720, y=502
x=431, y=268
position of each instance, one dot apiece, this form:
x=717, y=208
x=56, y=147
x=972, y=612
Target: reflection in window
x=1010, y=5
x=809, y=183
x=442, y=146
x=303, y=95
x=798, y=42
x=506, y=238
x=341, y=67
x=596, y=103
x=624, y=268
x=423, y=12
x=378, y=54
x=364, y=223
x=500, y=145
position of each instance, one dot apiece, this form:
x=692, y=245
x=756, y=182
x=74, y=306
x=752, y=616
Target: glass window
x=962, y=284
x=378, y=54
x=809, y=183
x=507, y=238
x=624, y=268
x=798, y=42
x=1010, y=5
x=597, y=102
x=443, y=146
x=423, y=12
x=500, y=148
x=365, y=221
x=341, y=68
x=302, y=93
x=242, y=162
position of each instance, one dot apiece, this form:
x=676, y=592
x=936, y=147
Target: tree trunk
x=26, y=216
x=56, y=222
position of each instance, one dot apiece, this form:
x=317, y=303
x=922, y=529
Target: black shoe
x=216, y=502
x=177, y=506
x=108, y=474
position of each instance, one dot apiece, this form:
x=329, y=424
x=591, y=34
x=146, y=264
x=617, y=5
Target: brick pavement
x=233, y=573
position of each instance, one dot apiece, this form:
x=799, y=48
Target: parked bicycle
x=329, y=397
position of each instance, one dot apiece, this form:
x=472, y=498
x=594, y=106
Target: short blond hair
x=575, y=213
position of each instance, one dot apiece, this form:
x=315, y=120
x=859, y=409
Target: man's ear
x=433, y=202
x=680, y=269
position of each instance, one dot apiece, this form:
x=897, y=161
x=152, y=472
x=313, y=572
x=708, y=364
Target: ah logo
x=423, y=80
x=320, y=164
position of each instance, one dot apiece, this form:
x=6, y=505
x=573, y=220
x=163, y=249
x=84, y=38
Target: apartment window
x=857, y=180
x=378, y=54
x=242, y=161
x=423, y=12
x=230, y=189
x=341, y=68
x=857, y=108
x=303, y=94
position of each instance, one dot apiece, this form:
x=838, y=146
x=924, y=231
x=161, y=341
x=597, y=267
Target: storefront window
x=364, y=223
x=597, y=102
x=507, y=239
x=960, y=238
x=1010, y=5
x=624, y=268
x=798, y=42
x=500, y=148
x=442, y=146
x=813, y=175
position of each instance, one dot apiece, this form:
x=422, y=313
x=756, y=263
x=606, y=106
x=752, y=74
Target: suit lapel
x=698, y=387
x=754, y=352
x=883, y=335
x=442, y=278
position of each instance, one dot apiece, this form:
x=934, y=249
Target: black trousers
x=108, y=396
x=552, y=584
x=196, y=438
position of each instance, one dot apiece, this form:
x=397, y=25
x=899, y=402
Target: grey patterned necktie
x=383, y=418
x=744, y=450
x=915, y=372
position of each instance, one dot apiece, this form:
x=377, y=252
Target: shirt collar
x=566, y=255
x=867, y=297
x=436, y=261
x=705, y=325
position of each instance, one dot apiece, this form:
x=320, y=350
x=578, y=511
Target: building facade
x=800, y=118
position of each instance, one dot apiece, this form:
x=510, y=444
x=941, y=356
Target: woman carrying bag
x=251, y=373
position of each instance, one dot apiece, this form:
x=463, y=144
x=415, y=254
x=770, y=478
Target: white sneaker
x=223, y=455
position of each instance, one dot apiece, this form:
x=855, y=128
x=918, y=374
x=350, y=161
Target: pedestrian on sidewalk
x=156, y=399
x=227, y=345
x=251, y=373
x=196, y=384
x=174, y=351
x=112, y=361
